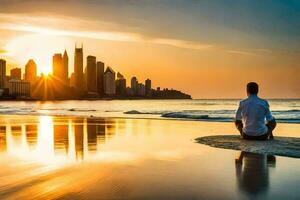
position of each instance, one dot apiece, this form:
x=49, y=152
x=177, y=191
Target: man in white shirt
x=253, y=117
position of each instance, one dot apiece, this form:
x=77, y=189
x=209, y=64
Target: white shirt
x=254, y=113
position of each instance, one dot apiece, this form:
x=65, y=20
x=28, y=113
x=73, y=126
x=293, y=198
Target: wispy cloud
x=53, y=26
x=83, y=28
x=240, y=52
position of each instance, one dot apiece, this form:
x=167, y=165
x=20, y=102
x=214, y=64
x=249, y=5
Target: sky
x=209, y=49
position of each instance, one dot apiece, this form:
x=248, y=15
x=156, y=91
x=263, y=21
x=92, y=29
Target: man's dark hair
x=252, y=88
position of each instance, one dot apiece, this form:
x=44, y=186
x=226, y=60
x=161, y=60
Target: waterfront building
x=148, y=88
x=65, y=71
x=100, y=76
x=109, y=82
x=134, y=85
x=16, y=73
x=78, y=68
x=91, y=76
x=140, y=89
x=31, y=71
x=2, y=73
x=72, y=80
x=120, y=85
x=57, y=67
x=19, y=88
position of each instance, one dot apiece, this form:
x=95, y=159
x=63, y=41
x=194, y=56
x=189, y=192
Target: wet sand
x=47, y=157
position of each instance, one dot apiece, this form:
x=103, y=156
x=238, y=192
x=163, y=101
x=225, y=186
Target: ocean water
x=284, y=110
x=47, y=157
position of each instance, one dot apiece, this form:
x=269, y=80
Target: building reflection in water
x=53, y=136
x=31, y=135
x=2, y=138
x=252, y=171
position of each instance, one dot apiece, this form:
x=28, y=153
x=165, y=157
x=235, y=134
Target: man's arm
x=238, y=119
x=271, y=122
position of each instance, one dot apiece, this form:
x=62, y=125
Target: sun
x=44, y=67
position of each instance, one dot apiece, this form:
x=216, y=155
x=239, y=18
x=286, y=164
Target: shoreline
x=142, y=118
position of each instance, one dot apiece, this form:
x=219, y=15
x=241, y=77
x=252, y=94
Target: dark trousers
x=270, y=125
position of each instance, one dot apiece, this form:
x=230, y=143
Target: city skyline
x=215, y=47
x=94, y=81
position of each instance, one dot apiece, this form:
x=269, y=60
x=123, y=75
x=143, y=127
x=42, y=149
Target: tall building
x=18, y=88
x=91, y=75
x=78, y=68
x=100, y=75
x=30, y=71
x=140, y=89
x=57, y=67
x=72, y=80
x=120, y=85
x=16, y=73
x=65, y=74
x=2, y=73
x=109, y=82
x=148, y=87
x=134, y=84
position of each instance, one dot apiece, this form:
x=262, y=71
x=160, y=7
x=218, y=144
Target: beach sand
x=46, y=157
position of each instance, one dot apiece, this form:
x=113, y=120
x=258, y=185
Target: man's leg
x=271, y=126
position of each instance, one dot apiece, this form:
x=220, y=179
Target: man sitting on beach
x=253, y=117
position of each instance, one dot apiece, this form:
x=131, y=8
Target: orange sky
x=205, y=58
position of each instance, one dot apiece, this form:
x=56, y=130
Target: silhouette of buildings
x=19, y=88
x=134, y=85
x=91, y=75
x=2, y=73
x=120, y=85
x=140, y=90
x=31, y=71
x=78, y=69
x=109, y=82
x=100, y=78
x=93, y=83
x=65, y=71
x=148, y=87
x=16, y=74
x=57, y=67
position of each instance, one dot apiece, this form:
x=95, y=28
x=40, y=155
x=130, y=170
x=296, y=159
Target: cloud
x=61, y=26
x=3, y=52
x=247, y=53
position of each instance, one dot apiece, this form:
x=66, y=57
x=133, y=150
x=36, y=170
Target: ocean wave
x=136, y=112
x=182, y=115
x=189, y=116
x=81, y=110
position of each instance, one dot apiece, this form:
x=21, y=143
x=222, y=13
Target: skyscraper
x=57, y=67
x=30, y=71
x=66, y=67
x=134, y=84
x=140, y=90
x=2, y=73
x=100, y=74
x=109, y=82
x=120, y=85
x=19, y=88
x=78, y=68
x=16, y=73
x=91, y=76
x=148, y=87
